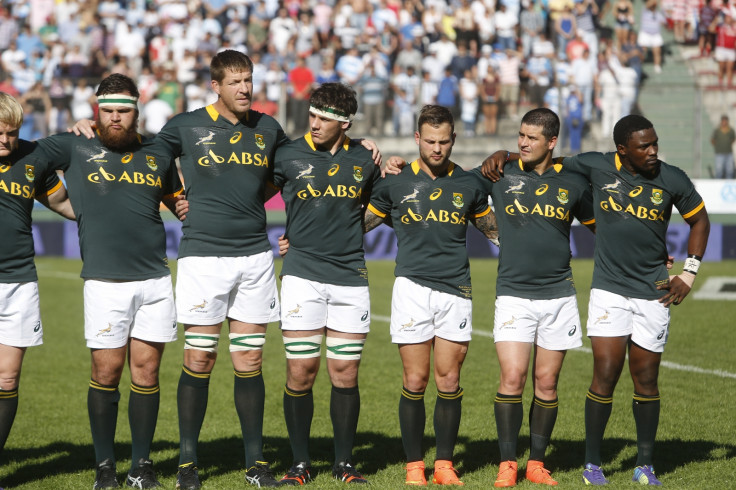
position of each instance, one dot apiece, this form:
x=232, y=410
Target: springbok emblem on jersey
x=98, y=156
x=410, y=196
x=305, y=172
x=294, y=311
x=611, y=187
x=199, y=306
x=516, y=187
x=206, y=139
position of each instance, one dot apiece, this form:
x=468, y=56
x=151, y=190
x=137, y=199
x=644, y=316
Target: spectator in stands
x=722, y=140
x=650, y=36
x=373, y=100
x=531, y=25
x=725, y=53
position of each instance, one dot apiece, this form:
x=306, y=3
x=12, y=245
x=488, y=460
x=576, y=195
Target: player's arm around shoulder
x=481, y=214
x=378, y=210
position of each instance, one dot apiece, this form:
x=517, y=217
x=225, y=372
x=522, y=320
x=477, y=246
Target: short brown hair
x=229, y=60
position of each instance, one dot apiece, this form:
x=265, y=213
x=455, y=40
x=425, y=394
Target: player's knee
x=344, y=349
x=416, y=382
x=247, y=342
x=303, y=347
x=8, y=381
x=203, y=342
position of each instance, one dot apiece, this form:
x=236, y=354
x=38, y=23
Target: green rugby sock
x=250, y=396
x=542, y=418
x=102, y=406
x=344, y=412
x=298, y=412
x=448, y=409
x=142, y=416
x=509, y=413
x=597, y=411
x=191, y=400
x=8, y=409
x=646, y=414
x=412, y=418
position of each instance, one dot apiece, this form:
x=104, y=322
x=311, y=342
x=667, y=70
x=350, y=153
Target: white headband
x=117, y=99
x=331, y=113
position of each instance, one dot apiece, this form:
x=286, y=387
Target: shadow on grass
x=373, y=453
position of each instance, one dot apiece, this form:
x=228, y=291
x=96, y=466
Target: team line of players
x=234, y=159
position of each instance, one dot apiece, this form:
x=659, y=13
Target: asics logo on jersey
x=37, y=327
x=306, y=172
x=127, y=158
x=611, y=187
x=205, y=139
x=408, y=324
x=541, y=190
x=236, y=137
x=435, y=194
x=199, y=306
x=99, y=156
x=103, y=331
x=294, y=311
x=4, y=167
x=333, y=169
x=411, y=196
x=572, y=331
x=516, y=188
x=601, y=318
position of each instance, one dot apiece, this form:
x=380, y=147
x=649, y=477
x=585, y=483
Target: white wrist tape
x=692, y=264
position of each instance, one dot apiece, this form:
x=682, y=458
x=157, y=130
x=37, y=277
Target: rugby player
x=116, y=184
x=24, y=175
x=430, y=204
x=631, y=295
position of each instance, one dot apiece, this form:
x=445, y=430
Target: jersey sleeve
x=480, y=206
x=484, y=183
x=48, y=184
x=169, y=138
x=57, y=150
x=380, y=203
x=687, y=200
x=279, y=169
x=173, y=186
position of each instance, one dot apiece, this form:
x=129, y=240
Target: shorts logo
x=273, y=303
x=572, y=331
x=199, y=307
x=410, y=197
x=516, y=188
x=99, y=157
x=508, y=323
x=656, y=196
x=364, y=317
x=463, y=324
x=260, y=142
x=601, y=319
x=358, y=173
x=408, y=324
x=173, y=326
x=333, y=169
x=127, y=157
x=205, y=139
x=37, y=327
x=305, y=173
x=612, y=187
x=30, y=173
x=542, y=189
x=457, y=200
x=151, y=162
x=294, y=311
x=236, y=137
x=661, y=334
x=103, y=331
x=563, y=196
x=4, y=167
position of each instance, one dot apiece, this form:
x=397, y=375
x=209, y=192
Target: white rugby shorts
x=419, y=313
x=310, y=305
x=115, y=311
x=210, y=289
x=553, y=324
x=613, y=315
x=20, y=315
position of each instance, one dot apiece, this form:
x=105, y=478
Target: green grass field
x=50, y=445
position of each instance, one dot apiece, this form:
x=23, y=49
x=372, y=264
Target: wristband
x=508, y=154
x=692, y=264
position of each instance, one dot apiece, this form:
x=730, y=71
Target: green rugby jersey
x=534, y=214
x=632, y=214
x=116, y=198
x=430, y=218
x=24, y=174
x=225, y=167
x=324, y=196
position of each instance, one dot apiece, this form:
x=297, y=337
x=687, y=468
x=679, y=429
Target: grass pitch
x=50, y=445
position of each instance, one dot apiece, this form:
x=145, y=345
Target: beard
x=118, y=140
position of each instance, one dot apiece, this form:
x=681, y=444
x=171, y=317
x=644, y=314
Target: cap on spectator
x=486, y=49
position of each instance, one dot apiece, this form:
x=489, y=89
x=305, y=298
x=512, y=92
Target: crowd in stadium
x=480, y=57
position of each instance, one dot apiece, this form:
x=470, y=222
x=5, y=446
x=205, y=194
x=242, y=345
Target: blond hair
x=11, y=112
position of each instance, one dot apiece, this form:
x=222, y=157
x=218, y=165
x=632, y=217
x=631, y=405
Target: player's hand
x=283, y=245
x=492, y=167
x=670, y=262
x=373, y=147
x=83, y=127
x=393, y=166
x=182, y=207
x=677, y=289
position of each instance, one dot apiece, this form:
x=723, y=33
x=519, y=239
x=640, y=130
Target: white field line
x=671, y=365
